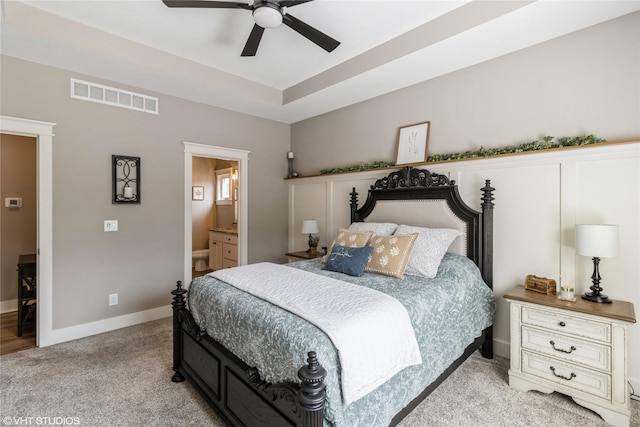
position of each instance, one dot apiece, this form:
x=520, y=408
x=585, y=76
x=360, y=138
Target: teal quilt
x=447, y=313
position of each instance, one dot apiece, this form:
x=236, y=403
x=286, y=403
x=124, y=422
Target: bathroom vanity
x=223, y=248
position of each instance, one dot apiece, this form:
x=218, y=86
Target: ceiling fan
x=266, y=14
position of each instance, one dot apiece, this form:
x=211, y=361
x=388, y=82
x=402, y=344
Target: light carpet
x=123, y=378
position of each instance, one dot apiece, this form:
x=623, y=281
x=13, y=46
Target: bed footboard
x=235, y=390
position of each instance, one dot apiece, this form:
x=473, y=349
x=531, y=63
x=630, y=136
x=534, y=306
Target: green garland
x=542, y=144
x=545, y=143
x=358, y=168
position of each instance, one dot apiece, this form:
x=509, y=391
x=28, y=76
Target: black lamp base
x=599, y=298
x=595, y=295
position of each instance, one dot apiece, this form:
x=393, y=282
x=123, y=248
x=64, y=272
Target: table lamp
x=596, y=241
x=310, y=227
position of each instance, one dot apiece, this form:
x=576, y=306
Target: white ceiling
x=195, y=53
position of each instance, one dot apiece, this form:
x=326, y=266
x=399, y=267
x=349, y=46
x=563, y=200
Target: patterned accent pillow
x=390, y=254
x=349, y=261
x=430, y=247
x=350, y=239
x=378, y=228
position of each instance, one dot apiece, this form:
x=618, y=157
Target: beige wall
x=142, y=261
x=203, y=212
x=18, y=225
x=585, y=82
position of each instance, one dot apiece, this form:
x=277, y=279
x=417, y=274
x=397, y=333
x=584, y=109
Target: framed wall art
x=125, y=176
x=412, y=144
x=197, y=193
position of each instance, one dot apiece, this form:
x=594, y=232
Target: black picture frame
x=125, y=171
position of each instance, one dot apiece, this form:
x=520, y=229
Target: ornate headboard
x=420, y=198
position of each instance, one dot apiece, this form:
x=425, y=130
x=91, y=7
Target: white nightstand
x=575, y=348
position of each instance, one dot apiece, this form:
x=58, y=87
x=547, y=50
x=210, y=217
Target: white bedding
x=371, y=330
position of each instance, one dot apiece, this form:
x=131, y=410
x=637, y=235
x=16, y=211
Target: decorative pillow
x=430, y=247
x=351, y=239
x=390, y=254
x=378, y=228
x=349, y=261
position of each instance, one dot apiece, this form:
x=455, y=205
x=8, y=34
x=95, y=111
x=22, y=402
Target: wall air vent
x=102, y=94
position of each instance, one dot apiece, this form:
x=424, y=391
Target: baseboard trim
x=635, y=384
x=106, y=325
x=502, y=348
x=9, y=305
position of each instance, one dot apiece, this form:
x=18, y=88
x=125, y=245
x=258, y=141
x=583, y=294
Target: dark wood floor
x=9, y=340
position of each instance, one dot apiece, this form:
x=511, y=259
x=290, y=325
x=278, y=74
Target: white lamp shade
x=267, y=17
x=597, y=240
x=310, y=226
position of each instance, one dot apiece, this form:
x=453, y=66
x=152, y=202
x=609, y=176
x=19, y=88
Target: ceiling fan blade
x=205, y=3
x=306, y=30
x=251, y=47
x=291, y=3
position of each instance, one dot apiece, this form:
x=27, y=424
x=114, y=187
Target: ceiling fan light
x=267, y=17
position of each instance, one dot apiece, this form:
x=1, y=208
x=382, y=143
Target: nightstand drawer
x=573, y=325
x=567, y=348
x=567, y=375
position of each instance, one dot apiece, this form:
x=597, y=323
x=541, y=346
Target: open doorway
x=214, y=214
x=43, y=134
x=237, y=200
x=18, y=231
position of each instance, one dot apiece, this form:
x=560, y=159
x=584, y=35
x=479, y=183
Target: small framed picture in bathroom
x=197, y=193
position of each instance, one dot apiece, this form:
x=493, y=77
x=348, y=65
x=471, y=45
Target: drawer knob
x=553, y=371
x=571, y=350
x=562, y=324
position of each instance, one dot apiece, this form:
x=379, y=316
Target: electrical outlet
x=113, y=299
x=110, y=225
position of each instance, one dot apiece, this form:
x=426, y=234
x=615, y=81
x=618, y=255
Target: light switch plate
x=110, y=225
x=13, y=202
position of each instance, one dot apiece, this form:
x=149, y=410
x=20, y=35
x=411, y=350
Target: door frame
x=192, y=149
x=43, y=133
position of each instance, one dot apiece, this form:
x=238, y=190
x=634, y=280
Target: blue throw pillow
x=348, y=260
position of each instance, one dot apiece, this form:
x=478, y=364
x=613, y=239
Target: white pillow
x=429, y=248
x=378, y=228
